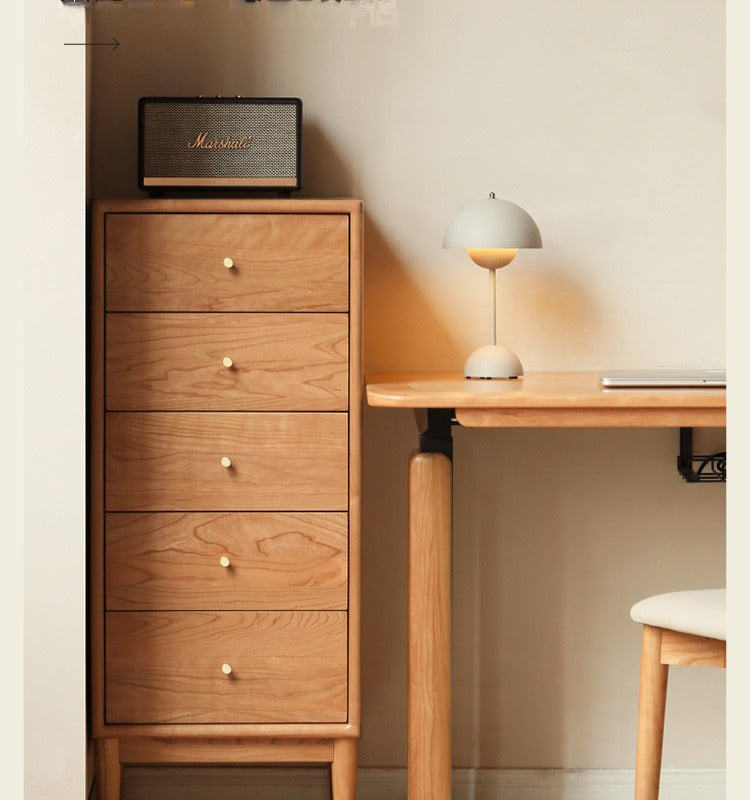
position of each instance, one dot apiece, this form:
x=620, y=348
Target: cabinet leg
x=108, y=769
x=344, y=769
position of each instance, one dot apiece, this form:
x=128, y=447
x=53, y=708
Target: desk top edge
x=568, y=390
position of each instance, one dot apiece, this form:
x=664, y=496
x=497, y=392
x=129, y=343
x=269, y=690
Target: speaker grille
x=184, y=139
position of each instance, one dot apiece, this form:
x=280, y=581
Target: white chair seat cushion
x=701, y=612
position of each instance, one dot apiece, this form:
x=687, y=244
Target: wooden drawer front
x=171, y=461
x=277, y=362
x=175, y=262
x=167, y=667
x=276, y=561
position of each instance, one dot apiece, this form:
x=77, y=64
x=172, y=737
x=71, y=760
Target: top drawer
x=227, y=262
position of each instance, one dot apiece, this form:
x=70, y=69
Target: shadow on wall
x=402, y=331
x=324, y=173
x=389, y=436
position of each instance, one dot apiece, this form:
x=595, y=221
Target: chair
x=678, y=628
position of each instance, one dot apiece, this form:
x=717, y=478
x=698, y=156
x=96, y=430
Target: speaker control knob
x=228, y=263
x=224, y=561
x=226, y=669
x=227, y=362
x=226, y=462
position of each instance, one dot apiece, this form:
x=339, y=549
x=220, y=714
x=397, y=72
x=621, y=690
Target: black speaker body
x=220, y=143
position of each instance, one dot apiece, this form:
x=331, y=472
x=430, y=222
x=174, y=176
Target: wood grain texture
x=280, y=461
x=96, y=446
x=174, y=262
x=108, y=769
x=344, y=769
x=661, y=649
x=356, y=395
x=586, y=417
x=429, y=676
x=228, y=205
x=227, y=730
x=166, y=666
x=150, y=259
x=690, y=650
x=225, y=751
x=549, y=399
x=651, y=708
x=174, y=362
x=276, y=561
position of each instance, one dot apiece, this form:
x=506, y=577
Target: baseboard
x=313, y=783
x=585, y=784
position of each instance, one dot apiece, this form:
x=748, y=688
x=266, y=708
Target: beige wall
x=11, y=408
x=605, y=120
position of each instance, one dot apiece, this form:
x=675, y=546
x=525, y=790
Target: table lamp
x=492, y=231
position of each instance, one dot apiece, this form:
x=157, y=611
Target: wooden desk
x=537, y=400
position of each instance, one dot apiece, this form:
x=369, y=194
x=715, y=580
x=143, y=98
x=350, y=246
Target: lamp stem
x=493, y=283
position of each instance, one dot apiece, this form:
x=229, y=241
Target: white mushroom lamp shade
x=492, y=231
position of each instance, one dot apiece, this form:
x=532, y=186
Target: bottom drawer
x=166, y=667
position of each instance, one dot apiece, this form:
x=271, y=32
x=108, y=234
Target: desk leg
x=429, y=682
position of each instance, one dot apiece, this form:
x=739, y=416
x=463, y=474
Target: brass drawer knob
x=226, y=669
x=226, y=462
x=227, y=362
x=225, y=562
x=228, y=263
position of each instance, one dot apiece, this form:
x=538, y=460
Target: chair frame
x=661, y=649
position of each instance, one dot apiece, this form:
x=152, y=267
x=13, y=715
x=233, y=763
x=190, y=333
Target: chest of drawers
x=225, y=484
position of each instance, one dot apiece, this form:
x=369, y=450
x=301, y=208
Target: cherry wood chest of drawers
x=225, y=484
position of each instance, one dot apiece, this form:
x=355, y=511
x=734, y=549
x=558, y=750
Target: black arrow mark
x=94, y=44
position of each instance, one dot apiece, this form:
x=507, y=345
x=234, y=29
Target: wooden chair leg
x=651, y=708
x=108, y=769
x=344, y=769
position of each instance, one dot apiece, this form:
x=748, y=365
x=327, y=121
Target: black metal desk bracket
x=699, y=468
x=435, y=434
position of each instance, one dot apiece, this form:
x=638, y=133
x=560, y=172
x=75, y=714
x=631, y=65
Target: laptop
x=663, y=377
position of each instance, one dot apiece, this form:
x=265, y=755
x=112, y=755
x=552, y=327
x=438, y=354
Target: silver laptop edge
x=645, y=378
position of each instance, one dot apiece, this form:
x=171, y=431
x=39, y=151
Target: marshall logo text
x=202, y=142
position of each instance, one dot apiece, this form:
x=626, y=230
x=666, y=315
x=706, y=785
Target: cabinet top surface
x=228, y=205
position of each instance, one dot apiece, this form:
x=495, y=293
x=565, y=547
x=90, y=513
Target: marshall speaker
x=220, y=143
